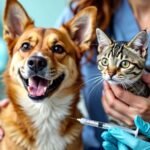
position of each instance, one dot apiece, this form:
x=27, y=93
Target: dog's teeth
x=30, y=81
x=50, y=82
x=45, y=89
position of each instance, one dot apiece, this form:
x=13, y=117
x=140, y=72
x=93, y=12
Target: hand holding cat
x=146, y=79
x=4, y=103
x=123, y=105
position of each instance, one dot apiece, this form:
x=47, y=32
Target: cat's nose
x=111, y=74
x=112, y=71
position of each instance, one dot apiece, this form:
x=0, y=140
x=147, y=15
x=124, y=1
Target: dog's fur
x=37, y=119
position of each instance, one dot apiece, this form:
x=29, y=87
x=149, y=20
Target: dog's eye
x=25, y=46
x=57, y=49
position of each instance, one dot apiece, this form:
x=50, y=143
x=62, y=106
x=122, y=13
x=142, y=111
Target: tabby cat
x=123, y=63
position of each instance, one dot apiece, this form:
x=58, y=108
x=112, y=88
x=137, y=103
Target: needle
x=104, y=125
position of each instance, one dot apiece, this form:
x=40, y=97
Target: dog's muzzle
x=36, y=63
x=37, y=84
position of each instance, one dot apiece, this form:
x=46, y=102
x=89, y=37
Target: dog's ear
x=82, y=27
x=15, y=20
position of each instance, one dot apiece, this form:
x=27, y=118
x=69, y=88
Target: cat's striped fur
x=123, y=63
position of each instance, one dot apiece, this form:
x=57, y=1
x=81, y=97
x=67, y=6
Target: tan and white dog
x=43, y=80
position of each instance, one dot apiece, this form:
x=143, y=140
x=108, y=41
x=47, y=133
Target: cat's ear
x=103, y=40
x=140, y=43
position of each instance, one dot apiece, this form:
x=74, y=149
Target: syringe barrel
x=89, y=122
x=108, y=126
x=105, y=125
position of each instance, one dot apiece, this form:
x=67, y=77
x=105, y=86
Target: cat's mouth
x=113, y=82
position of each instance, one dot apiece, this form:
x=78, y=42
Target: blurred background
x=44, y=12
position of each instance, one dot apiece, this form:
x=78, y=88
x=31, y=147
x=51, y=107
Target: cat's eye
x=57, y=49
x=125, y=64
x=25, y=46
x=104, y=61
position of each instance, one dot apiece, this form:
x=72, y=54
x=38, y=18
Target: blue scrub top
x=123, y=28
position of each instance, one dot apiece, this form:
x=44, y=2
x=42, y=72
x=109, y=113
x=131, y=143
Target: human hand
x=123, y=105
x=117, y=139
x=146, y=78
x=3, y=104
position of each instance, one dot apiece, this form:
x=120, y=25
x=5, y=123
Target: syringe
x=104, y=125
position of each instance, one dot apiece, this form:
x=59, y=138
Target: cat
x=123, y=63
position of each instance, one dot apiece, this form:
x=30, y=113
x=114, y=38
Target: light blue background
x=43, y=12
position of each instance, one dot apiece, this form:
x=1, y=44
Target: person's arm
x=124, y=105
x=3, y=104
x=65, y=16
x=117, y=139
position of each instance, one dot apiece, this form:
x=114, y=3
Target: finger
x=118, y=116
x=143, y=126
x=145, y=114
x=129, y=98
x=124, y=138
x=108, y=137
x=122, y=146
x=146, y=78
x=107, y=146
x=117, y=105
x=123, y=109
x=107, y=87
x=4, y=103
x=1, y=134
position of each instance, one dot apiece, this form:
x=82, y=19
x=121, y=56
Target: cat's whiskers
x=96, y=77
x=93, y=79
x=99, y=81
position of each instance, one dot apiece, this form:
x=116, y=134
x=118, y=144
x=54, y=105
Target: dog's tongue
x=37, y=86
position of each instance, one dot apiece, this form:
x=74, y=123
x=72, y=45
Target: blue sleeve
x=66, y=15
x=92, y=93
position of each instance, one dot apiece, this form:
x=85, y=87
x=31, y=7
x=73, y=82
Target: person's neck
x=141, y=10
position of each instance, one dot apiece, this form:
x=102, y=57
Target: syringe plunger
x=103, y=125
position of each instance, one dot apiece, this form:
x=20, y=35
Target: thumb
x=129, y=140
x=146, y=78
x=124, y=137
x=143, y=126
x=122, y=146
x=4, y=103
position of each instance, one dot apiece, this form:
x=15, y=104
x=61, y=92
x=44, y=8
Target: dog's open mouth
x=38, y=88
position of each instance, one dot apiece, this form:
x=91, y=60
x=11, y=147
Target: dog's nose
x=37, y=63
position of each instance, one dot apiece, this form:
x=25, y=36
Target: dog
x=43, y=80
